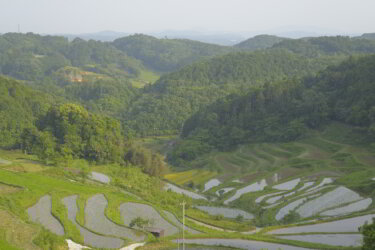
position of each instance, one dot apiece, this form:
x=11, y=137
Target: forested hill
x=284, y=111
x=317, y=46
x=164, y=106
x=34, y=57
x=370, y=36
x=20, y=106
x=242, y=67
x=167, y=55
x=259, y=42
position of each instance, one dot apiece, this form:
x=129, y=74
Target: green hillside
x=20, y=106
x=164, y=106
x=328, y=45
x=166, y=55
x=287, y=110
x=259, y=42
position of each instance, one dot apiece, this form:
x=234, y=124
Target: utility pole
x=183, y=224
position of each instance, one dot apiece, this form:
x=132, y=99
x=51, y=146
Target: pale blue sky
x=83, y=16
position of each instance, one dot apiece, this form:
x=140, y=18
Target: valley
x=148, y=143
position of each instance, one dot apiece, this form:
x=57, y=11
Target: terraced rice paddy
x=129, y=211
x=325, y=181
x=223, y=191
x=100, y=177
x=96, y=220
x=257, y=186
x=276, y=198
x=41, y=213
x=175, y=221
x=306, y=185
x=353, y=207
x=242, y=244
x=339, y=226
x=345, y=240
x=179, y=190
x=226, y=212
x=91, y=239
x=210, y=184
x=339, y=196
x=290, y=207
x=287, y=185
x=195, y=176
x=261, y=198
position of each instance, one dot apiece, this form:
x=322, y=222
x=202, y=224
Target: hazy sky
x=83, y=16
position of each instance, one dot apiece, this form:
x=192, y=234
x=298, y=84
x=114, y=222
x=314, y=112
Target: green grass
x=144, y=78
x=6, y=245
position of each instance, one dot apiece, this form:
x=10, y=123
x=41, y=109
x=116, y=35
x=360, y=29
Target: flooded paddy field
x=242, y=244
x=210, y=184
x=41, y=213
x=226, y=212
x=289, y=185
x=129, y=211
x=96, y=220
x=339, y=226
x=223, y=191
x=179, y=190
x=345, y=240
x=339, y=196
x=257, y=186
x=99, y=177
x=91, y=239
x=261, y=198
x=290, y=207
x=351, y=208
x=174, y=220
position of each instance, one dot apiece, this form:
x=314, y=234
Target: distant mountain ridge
x=166, y=55
x=260, y=42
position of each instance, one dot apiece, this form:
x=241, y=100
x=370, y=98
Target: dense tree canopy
x=20, y=106
x=70, y=132
x=167, y=55
x=260, y=42
x=318, y=46
x=164, y=106
x=285, y=110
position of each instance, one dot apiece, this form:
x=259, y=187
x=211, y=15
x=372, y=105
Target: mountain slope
x=167, y=55
x=20, y=106
x=285, y=111
x=259, y=42
x=164, y=106
x=33, y=57
x=325, y=45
